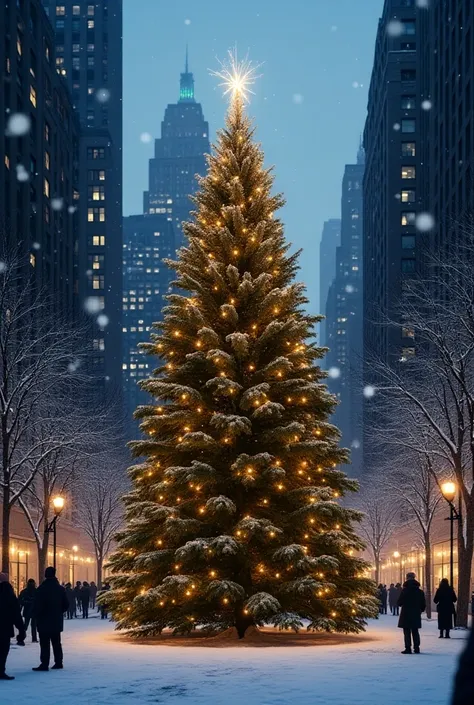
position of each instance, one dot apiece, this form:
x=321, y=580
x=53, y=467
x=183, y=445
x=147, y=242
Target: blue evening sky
x=309, y=106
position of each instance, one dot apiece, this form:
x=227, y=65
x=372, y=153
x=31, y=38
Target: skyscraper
x=88, y=37
x=330, y=241
x=344, y=315
x=148, y=240
x=38, y=176
x=179, y=156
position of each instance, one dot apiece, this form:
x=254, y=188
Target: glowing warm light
x=449, y=490
x=237, y=77
x=58, y=504
x=396, y=554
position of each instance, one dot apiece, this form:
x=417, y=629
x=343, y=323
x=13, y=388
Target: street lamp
x=396, y=554
x=58, y=506
x=448, y=490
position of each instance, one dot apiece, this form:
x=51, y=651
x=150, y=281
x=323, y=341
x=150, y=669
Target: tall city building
x=330, y=241
x=344, y=315
x=88, y=39
x=39, y=146
x=148, y=240
x=179, y=157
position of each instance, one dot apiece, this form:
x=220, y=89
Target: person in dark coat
x=464, y=681
x=384, y=599
x=71, y=598
x=398, y=592
x=413, y=603
x=27, y=599
x=103, y=603
x=10, y=617
x=392, y=597
x=93, y=592
x=380, y=597
x=85, y=599
x=50, y=605
x=445, y=598
x=77, y=593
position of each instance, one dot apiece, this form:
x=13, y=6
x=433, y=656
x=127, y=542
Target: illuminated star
x=236, y=76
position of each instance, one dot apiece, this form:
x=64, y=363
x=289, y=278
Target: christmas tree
x=235, y=517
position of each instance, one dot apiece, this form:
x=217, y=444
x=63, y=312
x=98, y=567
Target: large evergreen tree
x=235, y=515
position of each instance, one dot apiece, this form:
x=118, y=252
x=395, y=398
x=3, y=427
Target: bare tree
x=435, y=387
x=381, y=518
x=100, y=507
x=37, y=361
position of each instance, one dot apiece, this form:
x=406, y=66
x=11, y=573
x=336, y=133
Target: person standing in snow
x=413, y=603
x=93, y=592
x=71, y=598
x=77, y=593
x=10, y=616
x=398, y=588
x=50, y=605
x=27, y=600
x=85, y=599
x=464, y=682
x=384, y=596
x=103, y=604
x=445, y=598
x=392, y=597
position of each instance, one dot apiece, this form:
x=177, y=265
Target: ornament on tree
x=234, y=518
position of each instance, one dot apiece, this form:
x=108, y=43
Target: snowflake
x=396, y=126
x=187, y=21
x=93, y=304
x=297, y=98
x=349, y=289
x=424, y=222
x=57, y=204
x=427, y=105
x=369, y=391
x=73, y=366
x=334, y=28
x=145, y=137
x=334, y=372
x=102, y=95
x=395, y=28
x=71, y=209
x=102, y=320
x=21, y=173
x=36, y=246
x=355, y=444
x=18, y=125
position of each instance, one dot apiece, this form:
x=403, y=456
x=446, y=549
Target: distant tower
x=179, y=157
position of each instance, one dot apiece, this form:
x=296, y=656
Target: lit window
x=96, y=152
x=408, y=196
x=408, y=242
x=408, y=172
x=408, y=126
x=18, y=45
x=98, y=282
x=90, y=47
x=408, y=149
x=98, y=240
x=60, y=10
x=90, y=10
x=76, y=48
x=33, y=96
x=59, y=61
x=408, y=218
x=46, y=161
x=98, y=344
x=408, y=332
x=408, y=102
x=97, y=193
x=46, y=188
x=96, y=214
x=7, y=161
x=32, y=260
x=76, y=10
x=90, y=24
x=407, y=353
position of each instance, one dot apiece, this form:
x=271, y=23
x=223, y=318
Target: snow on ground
x=101, y=668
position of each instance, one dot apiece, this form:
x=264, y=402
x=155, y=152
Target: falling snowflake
x=350, y=289
x=188, y=22
x=334, y=372
x=73, y=366
x=398, y=196
x=355, y=444
x=334, y=28
x=369, y=391
x=21, y=173
x=3, y=267
x=36, y=246
x=57, y=204
x=102, y=95
x=18, y=125
x=145, y=137
x=297, y=98
x=71, y=209
x=424, y=222
x=355, y=84
x=427, y=105
x=396, y=126
x=395, y=28
x=93, y=304
x=102, y=320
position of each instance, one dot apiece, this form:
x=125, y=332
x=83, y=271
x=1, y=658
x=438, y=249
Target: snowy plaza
x=103, y=668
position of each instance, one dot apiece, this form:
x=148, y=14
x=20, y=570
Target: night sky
x=309, y=106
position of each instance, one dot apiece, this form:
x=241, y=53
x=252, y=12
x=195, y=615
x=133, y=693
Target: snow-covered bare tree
x=99, y=503
x=435, y=386
x=381, y=519
x=38, y=361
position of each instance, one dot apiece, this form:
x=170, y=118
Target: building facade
x=39, y=171
x=179, y=156
x=88, y=43
x=344, y=315
x=330, y=241
x=148, y=240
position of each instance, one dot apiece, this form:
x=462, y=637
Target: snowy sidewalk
x=100, y=669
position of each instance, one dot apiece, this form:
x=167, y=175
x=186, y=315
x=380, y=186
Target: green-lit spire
x=186, y=90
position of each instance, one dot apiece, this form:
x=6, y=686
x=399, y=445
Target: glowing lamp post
x=58, y=506
x=448, y=490
x=396, y=555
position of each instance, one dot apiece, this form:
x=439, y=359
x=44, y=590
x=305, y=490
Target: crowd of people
x=389, y=596
x=44, y=608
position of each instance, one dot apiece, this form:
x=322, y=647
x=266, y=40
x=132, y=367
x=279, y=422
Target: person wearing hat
x=10, y=617
x=413, y=603
x=50, y=605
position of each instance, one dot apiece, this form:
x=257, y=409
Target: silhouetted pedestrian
x=27, y=600
x=103, y=602
x=71, y=599
x=77, y=593
x=85, y=599
x=50, y=605
x=398, y=588
x=413, y=603
x=464, y=682
x=445, y=598
x=392, y=597
x=93, y=592
x=10, y=617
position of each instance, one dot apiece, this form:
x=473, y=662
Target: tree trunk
x=377, y=569
x=100, y=567
x=242, y=622
x=6, y=532
x=43, y=556
x=465, y=553
x=428, y=576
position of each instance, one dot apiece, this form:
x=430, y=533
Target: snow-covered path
x=101, y=669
